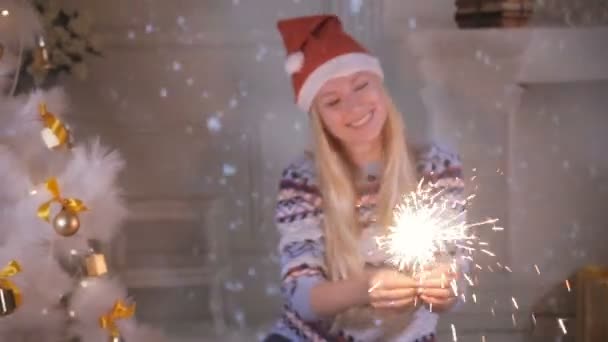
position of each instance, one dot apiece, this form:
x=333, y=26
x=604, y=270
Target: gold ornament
x=96, y=265
x=10, y=296
x=108, y=321
x=42, y=61
x=8, y=302
x=116, y=339
x=55, y=133
x=66, y=223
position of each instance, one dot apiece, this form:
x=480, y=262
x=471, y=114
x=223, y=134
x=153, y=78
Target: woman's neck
x=365, y=154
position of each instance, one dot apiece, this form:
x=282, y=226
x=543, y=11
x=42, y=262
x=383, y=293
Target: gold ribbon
x=8, y=271
x=74, y=205
x=54, y=124
x=119, y=311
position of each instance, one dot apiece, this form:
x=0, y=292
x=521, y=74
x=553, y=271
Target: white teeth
x=362, y=121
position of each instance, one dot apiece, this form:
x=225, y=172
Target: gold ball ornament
x=66, y=223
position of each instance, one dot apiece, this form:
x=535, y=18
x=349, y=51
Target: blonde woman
x=334, y=201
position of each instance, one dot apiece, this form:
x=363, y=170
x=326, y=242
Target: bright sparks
x=562, y=325
x=454, y=336
x=428, y=224
x=515, y=303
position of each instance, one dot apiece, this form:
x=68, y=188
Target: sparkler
x=428, y=224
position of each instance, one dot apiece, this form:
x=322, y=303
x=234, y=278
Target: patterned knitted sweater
x=299, y=218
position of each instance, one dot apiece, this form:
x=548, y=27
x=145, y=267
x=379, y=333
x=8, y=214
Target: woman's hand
x=389, y=288
x=436, y=289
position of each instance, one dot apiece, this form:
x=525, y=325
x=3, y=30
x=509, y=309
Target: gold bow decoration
x=8, y=271
x=55, y=126
x=119, y=311
x=73, y=205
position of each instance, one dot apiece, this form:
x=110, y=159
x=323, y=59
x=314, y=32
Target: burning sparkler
x=428, y=224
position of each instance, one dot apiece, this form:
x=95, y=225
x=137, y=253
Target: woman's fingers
x=395, y=304
x=436, y=301
x=393, y=294
x=391, y=279
x=438, y=293
x=436, y=282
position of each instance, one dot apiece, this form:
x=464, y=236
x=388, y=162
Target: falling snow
x=177, y=66
x=228, y=170
x=355, y=6
x=412, y=23
x=214, y=124
x=261, y=53
x=233, y=103
x=163, y=92
x=272, y=290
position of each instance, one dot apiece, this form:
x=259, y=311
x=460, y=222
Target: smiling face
x=352, y=108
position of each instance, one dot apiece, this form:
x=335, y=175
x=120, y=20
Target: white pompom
x=294, y=62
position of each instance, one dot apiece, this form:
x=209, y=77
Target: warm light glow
x=428, y=224
x=5, y=13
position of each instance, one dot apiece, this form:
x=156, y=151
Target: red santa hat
x=318, y=50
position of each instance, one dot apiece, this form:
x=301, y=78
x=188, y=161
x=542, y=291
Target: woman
x=334, y=201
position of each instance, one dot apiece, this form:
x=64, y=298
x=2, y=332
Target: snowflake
x=412, y=23
x=229, y=170
x=233, y=103
x=261, y=53
x=177, y=66
x=355, y=6
x=214, y=124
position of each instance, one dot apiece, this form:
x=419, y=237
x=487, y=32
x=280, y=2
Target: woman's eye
x=361, y=86
x=332, y=103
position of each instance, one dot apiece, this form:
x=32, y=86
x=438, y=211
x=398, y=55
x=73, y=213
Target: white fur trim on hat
x=294, y=62
x=339, y=66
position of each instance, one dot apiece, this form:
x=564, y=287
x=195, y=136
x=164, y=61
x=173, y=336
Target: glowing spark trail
x=562, y=325
x=515, y=303
x=454, y=337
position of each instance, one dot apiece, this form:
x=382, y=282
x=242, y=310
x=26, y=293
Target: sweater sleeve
x=443, y=168
x=301, y=245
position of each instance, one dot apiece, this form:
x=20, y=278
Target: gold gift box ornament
x=10, y=296
x=96, y=265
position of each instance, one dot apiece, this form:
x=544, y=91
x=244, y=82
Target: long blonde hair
x=337, y=186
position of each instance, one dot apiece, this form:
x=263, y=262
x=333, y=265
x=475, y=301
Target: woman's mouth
x=362, y=120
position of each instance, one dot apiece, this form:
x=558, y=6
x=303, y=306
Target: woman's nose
x=354, y=104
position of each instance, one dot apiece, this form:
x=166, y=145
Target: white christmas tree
x=59, y=207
